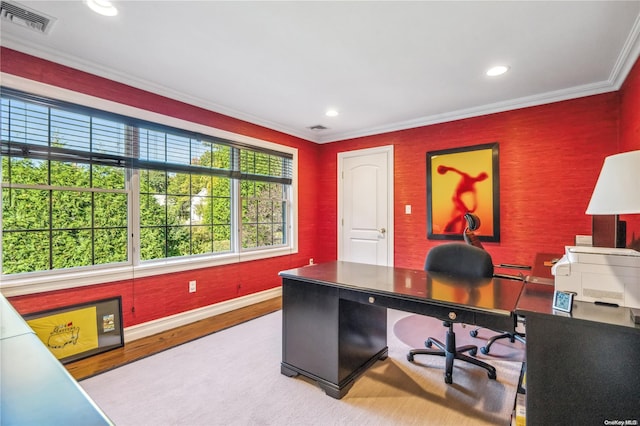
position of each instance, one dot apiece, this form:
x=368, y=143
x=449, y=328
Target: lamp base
x=608, y=231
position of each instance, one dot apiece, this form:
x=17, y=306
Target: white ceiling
x=384, y=65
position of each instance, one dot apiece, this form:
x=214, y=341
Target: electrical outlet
x=192, y=286
x=311, y=261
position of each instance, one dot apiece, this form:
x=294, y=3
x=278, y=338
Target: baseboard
x=149, y=328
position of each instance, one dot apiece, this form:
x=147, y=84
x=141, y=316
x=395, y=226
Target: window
x=264, y=214
x=184, y=213
x=59, y=214
x=83, y=187
x=264, y=204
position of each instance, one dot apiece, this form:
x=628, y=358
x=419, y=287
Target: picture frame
x=80, y=330
x=461, y=180
x=563, y=301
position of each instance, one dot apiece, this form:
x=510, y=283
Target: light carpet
x=232, y=377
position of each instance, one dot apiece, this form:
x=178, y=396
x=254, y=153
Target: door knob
x=382, y=231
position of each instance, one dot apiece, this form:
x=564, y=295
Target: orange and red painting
x=459, y=181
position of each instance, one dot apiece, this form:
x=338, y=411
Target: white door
x=365, y=206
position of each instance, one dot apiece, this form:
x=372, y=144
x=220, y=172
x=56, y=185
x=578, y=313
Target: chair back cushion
x=459, y=260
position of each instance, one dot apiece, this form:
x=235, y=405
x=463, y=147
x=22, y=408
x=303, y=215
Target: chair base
x=451, y=352
x=511, y=336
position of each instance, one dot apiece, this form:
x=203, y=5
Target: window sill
x=43, y=282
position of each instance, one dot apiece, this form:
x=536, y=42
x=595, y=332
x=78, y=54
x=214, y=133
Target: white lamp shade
x=618, y=188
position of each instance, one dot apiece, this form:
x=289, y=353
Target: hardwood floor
x=147, y=346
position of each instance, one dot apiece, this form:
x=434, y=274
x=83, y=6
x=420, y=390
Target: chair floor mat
x=413, y=330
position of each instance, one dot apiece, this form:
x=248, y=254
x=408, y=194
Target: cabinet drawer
x=432, y=309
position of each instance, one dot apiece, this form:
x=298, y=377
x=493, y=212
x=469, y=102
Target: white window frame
x=77, y=277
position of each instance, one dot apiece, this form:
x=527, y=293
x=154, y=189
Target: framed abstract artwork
x=462, y=180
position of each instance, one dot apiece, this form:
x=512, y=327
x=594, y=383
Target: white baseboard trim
x=149, y=328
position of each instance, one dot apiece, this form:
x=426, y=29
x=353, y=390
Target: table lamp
x=617, y=190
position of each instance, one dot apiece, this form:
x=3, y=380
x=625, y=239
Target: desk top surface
x=36, y=389
x=537, y=299
x=11, y=323
x=490, y=295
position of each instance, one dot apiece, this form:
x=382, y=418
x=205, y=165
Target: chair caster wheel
x=473, y=333
x=428, y=343
x=473, y=352
x=410, y=357
x=484, y=350
x=448, y=378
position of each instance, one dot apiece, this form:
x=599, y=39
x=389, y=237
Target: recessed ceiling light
x=499, y=70
x=103, y=7
x=331, y=113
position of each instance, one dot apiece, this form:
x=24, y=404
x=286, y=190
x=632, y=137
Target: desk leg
x=329, y=340
x=288, y=371
x=332, y=389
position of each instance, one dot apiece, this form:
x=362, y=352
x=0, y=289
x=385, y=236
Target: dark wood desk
x=335, y=321
x=582, y=368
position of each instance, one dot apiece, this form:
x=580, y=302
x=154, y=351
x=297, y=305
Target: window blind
x=47, y=129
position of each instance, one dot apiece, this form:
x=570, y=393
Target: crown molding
x=513, y=104
x=117, y=76
x=625, y=61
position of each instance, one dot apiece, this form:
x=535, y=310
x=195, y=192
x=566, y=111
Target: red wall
x=550, y=157
x=159, y=296
x=630, y=111
x=630, y=133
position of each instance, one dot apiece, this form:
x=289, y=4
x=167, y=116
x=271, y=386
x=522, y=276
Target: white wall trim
x=149, y=328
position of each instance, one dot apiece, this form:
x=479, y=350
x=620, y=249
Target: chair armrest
x=518, y=277
x=512, y=266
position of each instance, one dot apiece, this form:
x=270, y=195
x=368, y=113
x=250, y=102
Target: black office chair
x=460, y=263
x=471, y=238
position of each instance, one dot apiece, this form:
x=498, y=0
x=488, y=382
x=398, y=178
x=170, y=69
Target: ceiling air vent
x=318, y=127
x=26, y=17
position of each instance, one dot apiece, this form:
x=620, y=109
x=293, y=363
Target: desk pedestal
x=581, y=369
x=329, y=339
